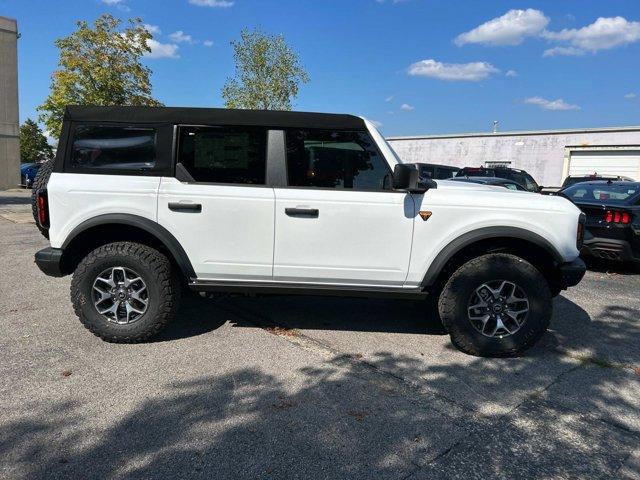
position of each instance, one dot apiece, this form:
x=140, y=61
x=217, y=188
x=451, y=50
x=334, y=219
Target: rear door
x=219, y=207
x=337, y=220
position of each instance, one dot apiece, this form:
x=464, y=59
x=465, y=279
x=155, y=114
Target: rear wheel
x=496, y=305
x=125, y=292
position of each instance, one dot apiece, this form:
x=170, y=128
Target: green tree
x=268, y=73
x=33, y=143
x=99, y=66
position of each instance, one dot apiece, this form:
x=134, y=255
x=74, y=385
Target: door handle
x=185, y=207
x=302, y=212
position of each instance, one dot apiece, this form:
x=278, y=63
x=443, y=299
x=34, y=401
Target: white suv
x=141, y=200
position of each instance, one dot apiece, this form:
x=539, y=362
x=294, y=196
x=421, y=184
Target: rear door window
x=232, y=155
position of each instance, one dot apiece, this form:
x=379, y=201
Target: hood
x=492, y=196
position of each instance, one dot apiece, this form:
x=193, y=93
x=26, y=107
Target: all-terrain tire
x=454, y=301
x=40, y=182
x=154, y=269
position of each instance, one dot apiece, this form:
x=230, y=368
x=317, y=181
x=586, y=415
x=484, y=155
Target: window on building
x=113, y=148
x=335, y=159
x=235, y=155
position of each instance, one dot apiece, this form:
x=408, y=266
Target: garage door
x=606, y=162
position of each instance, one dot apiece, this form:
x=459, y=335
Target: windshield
x=601, y=192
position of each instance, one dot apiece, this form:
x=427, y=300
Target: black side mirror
x=406, y=176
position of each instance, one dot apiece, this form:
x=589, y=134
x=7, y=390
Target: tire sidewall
x=490, y=268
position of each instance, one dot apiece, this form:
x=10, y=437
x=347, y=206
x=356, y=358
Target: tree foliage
x=268, y=73
x=99, y=65
x=33, y=143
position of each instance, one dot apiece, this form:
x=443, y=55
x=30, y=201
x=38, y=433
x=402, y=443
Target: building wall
x=542, y=154
x=9, y=145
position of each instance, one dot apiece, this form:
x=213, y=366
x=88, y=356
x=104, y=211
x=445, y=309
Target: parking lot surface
x=310, y=387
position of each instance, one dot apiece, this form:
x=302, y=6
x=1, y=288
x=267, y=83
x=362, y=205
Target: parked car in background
x=28, y=172
x=573, y=179
x=438, y=172
x=613, y=218
x=518, y=176
x=494, y=181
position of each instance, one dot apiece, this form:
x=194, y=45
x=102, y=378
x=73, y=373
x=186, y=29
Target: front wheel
x=496, y=305
x=125, y=292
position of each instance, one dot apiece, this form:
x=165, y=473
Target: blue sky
x=414, y=66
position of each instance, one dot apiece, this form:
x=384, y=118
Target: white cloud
x=565, y=51
x=117, y=3
x=555, y=105
x=509, y=29
x=406, y=107
x=181, y=37
x=389, y=98
x=630, y=95
x=603, y=34
x=208, y=43
x=212, y=3
x=470, y=72
x=162, y=50
x=511, y=73
x=153, y=29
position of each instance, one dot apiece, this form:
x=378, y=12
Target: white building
x=548, y=155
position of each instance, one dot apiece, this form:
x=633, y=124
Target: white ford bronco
x=141, y=202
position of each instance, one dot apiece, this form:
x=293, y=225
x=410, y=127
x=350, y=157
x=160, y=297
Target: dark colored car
x=500, y=182
x=28, y=172
x=438, y=172
x=613, y=218
x=573, y=179
x=518, y=176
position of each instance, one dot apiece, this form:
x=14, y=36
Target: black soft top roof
x=213, y=116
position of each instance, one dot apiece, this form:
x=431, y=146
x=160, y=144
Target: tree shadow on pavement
x=389, y=416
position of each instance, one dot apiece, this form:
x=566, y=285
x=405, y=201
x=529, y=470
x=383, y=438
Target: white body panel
x=75, y=197
x=232, y=238
x=459, y=208
x=358, y=238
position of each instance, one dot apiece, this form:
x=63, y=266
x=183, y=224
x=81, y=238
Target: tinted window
x=442, y=173
x=113, y=148
x=601, y=192
x=512, y=186
x=335, y=159
x=224, y=154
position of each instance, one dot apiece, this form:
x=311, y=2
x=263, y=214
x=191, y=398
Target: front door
x=338, y=221
x=220, y=210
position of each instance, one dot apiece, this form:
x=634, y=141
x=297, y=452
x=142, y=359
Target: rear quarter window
x=112, y=149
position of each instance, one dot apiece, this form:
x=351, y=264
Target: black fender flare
x=153, y=228
x=438, y=263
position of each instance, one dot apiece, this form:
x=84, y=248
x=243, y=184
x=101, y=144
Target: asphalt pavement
x=287, y=387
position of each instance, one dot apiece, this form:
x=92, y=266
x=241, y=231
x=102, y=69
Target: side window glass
x=113, y=148
x=235, y=155
x=335, y=159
